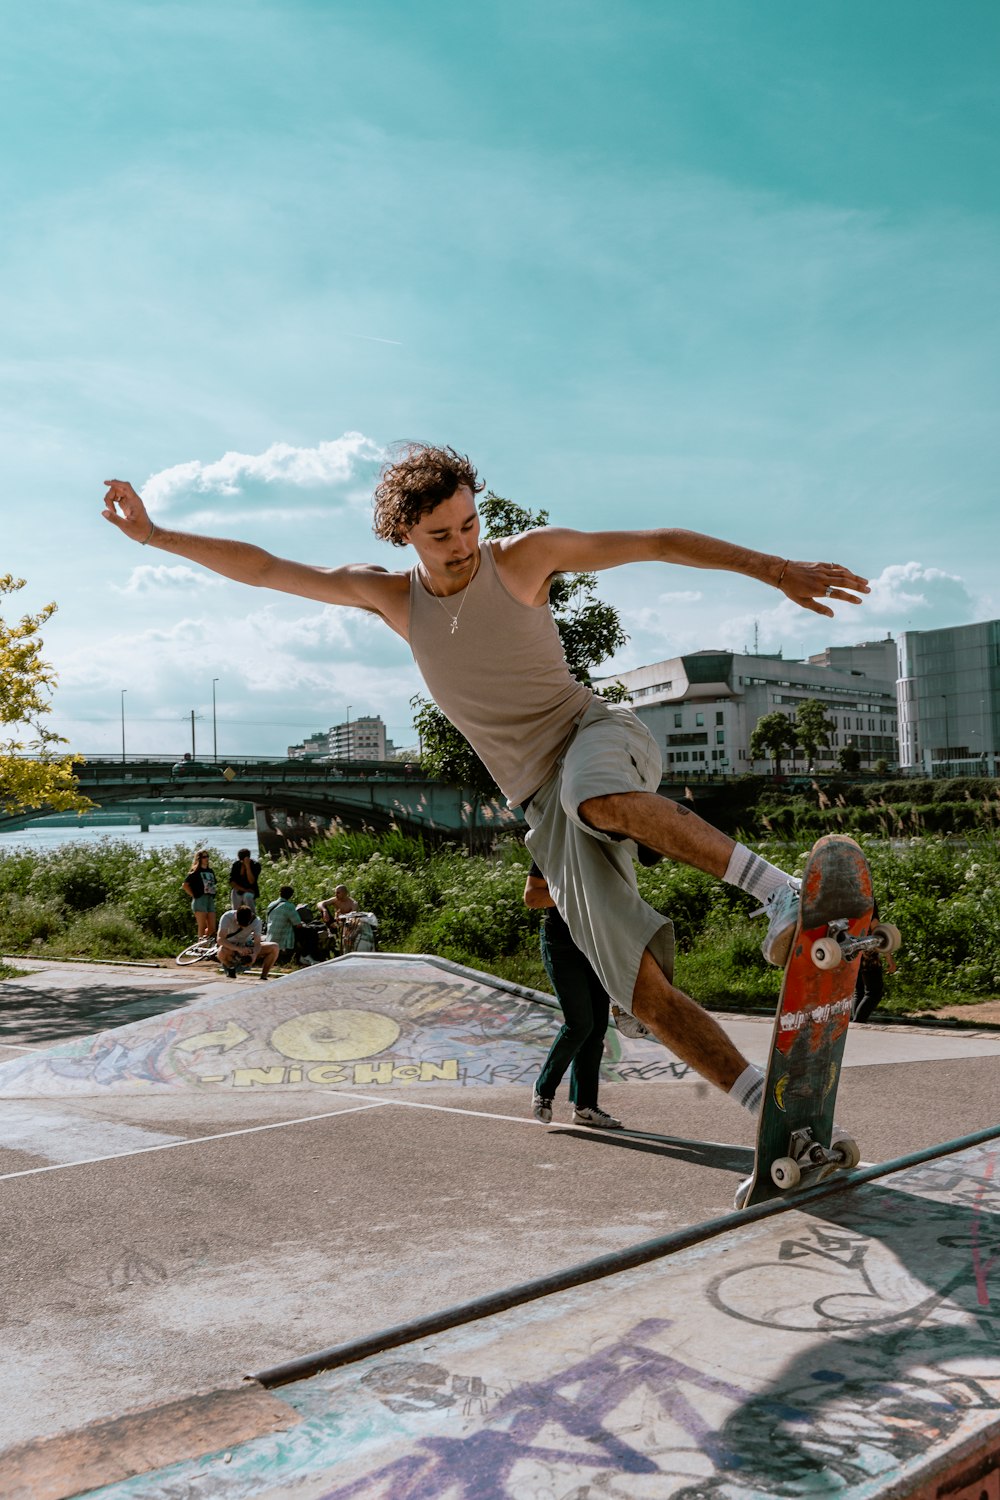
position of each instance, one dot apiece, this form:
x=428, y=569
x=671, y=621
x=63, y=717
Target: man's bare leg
x=668, y=827
x=680, y=1024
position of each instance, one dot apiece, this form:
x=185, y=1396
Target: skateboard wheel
x=785, y=1172
x=889, y=937
x=826, y=953
x=847, y=1147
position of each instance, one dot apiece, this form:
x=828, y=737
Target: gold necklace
x=454, y=617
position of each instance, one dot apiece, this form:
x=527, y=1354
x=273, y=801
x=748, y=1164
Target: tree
x=773, y=733
x=812, y=727
x=31, y=773
x=589, y=629
x=849, y=759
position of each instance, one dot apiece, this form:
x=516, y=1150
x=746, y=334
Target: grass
x=114, y=901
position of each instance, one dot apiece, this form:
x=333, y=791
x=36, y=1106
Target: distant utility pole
x=124, y=691
x=215, y=739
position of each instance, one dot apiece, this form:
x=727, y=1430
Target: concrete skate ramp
x=362, y=1021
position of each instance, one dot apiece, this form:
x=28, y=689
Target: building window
x=720, y=736
x=720, y=717
x=678, y=720
x=699, y=720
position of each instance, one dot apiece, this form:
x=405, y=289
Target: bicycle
x=199, y=952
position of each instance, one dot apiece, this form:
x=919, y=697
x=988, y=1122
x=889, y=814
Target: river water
x=227, y=841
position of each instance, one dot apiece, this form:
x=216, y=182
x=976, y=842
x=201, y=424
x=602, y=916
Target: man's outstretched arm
x=553, y=549
x=359, y=585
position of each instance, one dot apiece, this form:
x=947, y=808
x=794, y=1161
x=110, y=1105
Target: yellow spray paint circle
x=334, y=1035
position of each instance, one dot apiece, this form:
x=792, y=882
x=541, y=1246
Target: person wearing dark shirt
x=579, y=1044
x=200, y=885
x=243, y=881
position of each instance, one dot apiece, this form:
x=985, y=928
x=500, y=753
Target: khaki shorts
x=590, y=874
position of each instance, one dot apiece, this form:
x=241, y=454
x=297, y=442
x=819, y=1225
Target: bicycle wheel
x=197, y=952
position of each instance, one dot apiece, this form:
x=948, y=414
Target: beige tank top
x=500, y=677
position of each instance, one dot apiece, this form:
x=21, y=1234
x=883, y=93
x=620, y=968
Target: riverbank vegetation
x=112, y=900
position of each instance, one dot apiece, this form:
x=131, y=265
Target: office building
x=703, y=706
x=949, y=700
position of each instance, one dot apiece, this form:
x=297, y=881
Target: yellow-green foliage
x=32, y=774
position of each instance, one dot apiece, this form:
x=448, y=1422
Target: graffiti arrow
x=224, y=1040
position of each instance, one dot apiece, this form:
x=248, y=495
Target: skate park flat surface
x=273, y=1169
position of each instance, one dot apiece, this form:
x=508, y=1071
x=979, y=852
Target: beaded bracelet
x=152, y=528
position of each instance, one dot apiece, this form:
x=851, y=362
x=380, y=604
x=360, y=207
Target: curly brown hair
x=414, y=484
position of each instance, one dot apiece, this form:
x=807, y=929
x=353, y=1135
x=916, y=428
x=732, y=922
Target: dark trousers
x=585, y=1007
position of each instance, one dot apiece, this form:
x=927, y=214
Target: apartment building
x=703, y=706
x=356, y=739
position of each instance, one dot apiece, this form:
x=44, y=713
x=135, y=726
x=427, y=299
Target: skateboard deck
x=795, y=1145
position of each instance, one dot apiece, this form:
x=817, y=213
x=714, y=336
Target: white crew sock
x=753, y=874
x=748, y=1089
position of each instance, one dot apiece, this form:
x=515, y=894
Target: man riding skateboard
x=476, y=617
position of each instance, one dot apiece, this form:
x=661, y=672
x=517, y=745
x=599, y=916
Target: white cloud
x=344, y=468
x=904, y=596
x=148, y=578
x=926, y=598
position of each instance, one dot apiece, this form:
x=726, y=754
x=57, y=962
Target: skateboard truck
x=839, y=947
x=809, y=1162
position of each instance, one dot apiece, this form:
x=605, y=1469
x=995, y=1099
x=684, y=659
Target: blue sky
x=730, y=266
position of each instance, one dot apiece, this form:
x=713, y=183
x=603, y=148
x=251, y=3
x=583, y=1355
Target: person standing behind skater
x=200, y=885
x=243, y=881
x=585, y=1004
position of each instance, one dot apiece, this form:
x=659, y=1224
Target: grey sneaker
x=628, y=1025
x=541, y=1108
x=599, y=1118
x=782, y=911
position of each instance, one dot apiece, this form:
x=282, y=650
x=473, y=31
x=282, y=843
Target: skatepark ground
x=266, y=1172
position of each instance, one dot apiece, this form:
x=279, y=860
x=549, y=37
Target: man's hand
x=804, y=583
x=134, y=518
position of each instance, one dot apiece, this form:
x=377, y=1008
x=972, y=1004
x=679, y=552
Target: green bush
x=479, y=910
x=105, y=932
x=85, y=875
x=26, y=922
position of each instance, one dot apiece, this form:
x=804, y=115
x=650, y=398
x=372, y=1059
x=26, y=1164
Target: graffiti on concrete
x=331, y=1028
x=879, y=1348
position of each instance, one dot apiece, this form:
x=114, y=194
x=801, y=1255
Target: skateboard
x=797, y=1143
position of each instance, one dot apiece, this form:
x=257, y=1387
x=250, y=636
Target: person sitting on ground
x=286, y=928
x=200, y=885
x=241, y=943
x=340, y=904
x=243, y=881
x=333, y=909
x=585, y=1004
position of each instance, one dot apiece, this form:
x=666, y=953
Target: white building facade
x=356, y=739
x=703, y=707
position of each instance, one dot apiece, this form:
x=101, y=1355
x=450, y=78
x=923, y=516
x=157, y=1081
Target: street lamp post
x=124, y=691
x=215, y=738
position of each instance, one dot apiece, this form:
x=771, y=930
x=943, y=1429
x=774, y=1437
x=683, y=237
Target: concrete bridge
x=378, y=794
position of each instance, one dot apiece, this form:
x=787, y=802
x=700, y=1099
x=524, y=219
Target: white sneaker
x=782, y=911
x=599, y=1118
x=628, y=1025
x=541, y=1108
